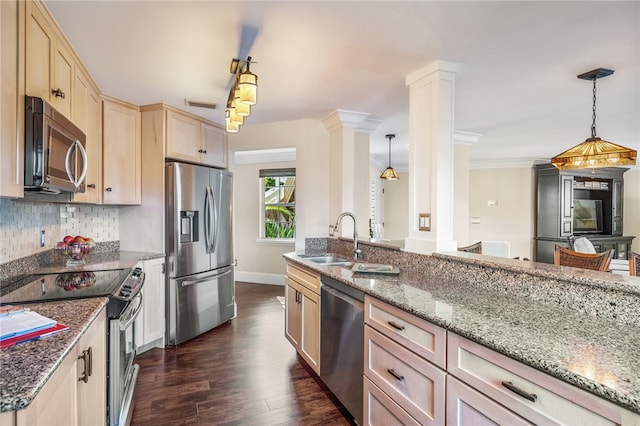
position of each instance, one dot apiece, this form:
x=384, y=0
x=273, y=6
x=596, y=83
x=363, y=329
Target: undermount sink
x=330, y=260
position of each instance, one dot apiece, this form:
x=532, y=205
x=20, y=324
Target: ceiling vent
x=200, y=104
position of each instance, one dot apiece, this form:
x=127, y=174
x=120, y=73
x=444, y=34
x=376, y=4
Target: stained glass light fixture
x=595, y=152
x=389, y=173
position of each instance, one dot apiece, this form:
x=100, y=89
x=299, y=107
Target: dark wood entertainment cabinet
x=556, y=191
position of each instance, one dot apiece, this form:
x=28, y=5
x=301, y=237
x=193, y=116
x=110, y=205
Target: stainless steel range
x=122, y=287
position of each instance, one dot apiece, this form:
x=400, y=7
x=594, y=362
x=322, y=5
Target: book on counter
x=25, y=325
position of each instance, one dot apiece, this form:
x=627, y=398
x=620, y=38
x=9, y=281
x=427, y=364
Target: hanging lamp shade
x=242, y=109
x=248, y=85
x=595, y=152
x=389, y=173
x=232, y=127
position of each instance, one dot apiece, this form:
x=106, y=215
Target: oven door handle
x=134, y=316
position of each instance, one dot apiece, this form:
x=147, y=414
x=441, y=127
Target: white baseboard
x=258, y=277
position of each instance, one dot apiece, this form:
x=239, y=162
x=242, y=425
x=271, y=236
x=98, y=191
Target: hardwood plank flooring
x=243, y=372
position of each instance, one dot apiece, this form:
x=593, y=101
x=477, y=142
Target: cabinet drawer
x=307, y=278
x=379, y=409
x=426, y=339
x=414, y=383
x=466, y=406
x=534, y=395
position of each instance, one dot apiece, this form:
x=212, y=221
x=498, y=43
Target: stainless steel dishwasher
x=342, y=343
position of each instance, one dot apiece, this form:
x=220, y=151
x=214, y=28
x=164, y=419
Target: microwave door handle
x=67, y=162
x=83, y=175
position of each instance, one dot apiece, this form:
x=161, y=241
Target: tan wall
x=461, y=195
x=255, y=257
x=512, y=219
x=311, y=142
x=396, y=207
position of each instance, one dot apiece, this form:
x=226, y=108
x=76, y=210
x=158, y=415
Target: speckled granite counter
x=592, y=351
x=25, y=368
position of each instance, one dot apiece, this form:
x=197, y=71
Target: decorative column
x=431, y=103
x=349, y=168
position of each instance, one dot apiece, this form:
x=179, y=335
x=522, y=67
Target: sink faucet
x=356, y=251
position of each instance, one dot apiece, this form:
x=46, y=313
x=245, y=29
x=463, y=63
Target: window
x=278, y=207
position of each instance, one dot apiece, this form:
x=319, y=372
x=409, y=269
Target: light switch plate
x=424, y=221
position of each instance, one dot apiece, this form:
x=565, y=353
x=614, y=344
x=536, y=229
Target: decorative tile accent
x=22, y=221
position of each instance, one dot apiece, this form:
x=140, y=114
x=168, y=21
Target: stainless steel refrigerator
x=201, y=290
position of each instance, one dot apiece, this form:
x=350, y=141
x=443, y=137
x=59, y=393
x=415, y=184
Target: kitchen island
x=582, y=329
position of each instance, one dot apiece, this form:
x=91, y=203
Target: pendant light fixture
x=595, y=152
x=242, y=94
x=389, y=173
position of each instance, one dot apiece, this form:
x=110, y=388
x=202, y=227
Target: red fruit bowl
x=75, y=252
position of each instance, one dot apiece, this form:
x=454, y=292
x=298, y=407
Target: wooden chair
x=473, y=248
x=597, y=262
x=634, y=264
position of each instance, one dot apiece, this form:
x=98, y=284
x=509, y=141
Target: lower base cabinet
x=405, y=381
x=302, y=313
x=66, y=399
x=150, y=324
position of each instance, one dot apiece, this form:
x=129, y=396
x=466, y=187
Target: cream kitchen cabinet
x=191, y=139
x=11, y=100
x=121, y=152
x=404, y=366
x=534, y=396
x=76, y=392
x=302, y=313
x=49, y=61
x=150, y=324
x=86, y=113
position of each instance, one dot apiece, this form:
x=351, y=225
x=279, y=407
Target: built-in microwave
x=55, y=158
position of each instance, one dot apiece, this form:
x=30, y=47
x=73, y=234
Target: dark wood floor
x=242, y=373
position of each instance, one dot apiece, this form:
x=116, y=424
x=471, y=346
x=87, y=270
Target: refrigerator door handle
x=207, y=220
x=211, y=218
x=214, y=277
x=214, y=220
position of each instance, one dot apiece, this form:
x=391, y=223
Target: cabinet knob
x=91, y=185
x=108, y=189
x=58, y=93
x=202, y=151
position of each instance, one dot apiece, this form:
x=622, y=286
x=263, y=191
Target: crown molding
x=341, y=118
x=507, y=163
x=465, y=138
x=265, y=156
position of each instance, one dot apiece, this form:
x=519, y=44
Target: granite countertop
x=596, y=354
x=26, y=367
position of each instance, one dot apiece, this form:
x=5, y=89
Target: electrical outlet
x=42, y=238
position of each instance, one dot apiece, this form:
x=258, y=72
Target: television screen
x=587, y=216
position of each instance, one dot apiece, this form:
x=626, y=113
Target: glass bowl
x=76, y=252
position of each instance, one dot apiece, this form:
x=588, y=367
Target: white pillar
x=431, y=103
x=349, y=168
x=461, y=222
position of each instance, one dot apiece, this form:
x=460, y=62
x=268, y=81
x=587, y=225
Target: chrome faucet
x=356, y=251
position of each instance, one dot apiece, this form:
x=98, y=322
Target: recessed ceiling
x=517, y=84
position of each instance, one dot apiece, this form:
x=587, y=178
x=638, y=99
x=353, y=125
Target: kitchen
x=314, y=213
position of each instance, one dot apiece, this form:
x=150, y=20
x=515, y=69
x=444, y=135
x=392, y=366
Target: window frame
x=274, y=173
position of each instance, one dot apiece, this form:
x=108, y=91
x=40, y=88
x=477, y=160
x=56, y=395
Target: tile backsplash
x=21, y=223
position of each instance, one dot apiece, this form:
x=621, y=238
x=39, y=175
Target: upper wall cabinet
x=86, y=112
x=192, y=139
x=49, y=63
x=121, y=152
x=11, y=101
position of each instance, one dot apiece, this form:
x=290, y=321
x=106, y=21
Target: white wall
x=257, y=261
x=461, y=195
x=631, y=207
x=512, y=218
